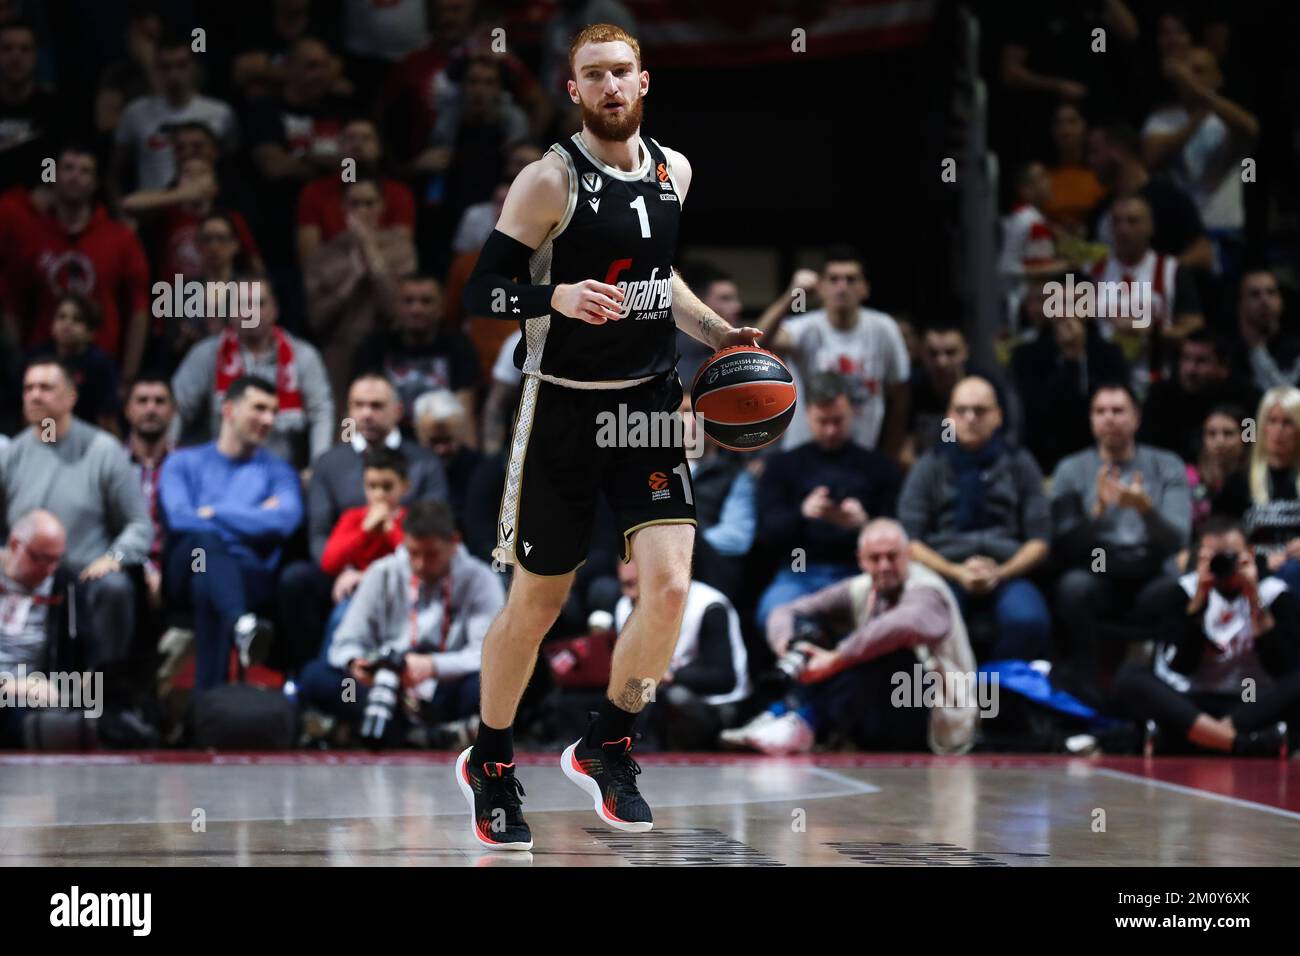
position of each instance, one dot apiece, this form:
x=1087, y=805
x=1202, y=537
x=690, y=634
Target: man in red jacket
x=75, y=246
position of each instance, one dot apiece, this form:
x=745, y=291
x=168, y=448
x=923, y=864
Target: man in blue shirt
x=229, y=507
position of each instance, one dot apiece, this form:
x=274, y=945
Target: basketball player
x=583, y=256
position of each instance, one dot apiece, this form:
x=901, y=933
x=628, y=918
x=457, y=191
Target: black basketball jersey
x=620, y=228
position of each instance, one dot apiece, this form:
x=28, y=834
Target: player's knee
x=664, y=593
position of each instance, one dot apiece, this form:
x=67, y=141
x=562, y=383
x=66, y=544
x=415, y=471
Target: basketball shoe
x=495, y=810
x=607, y=773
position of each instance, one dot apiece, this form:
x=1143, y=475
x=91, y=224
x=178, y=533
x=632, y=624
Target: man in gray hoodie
x=83, y=476
x=430, y=600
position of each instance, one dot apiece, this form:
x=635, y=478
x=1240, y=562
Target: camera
x=793, y=661
x=1223, y=567
x=381, y=702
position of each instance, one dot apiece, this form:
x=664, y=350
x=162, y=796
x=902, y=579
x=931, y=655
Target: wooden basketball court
x=171, y=809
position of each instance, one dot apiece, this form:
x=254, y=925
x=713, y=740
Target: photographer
x=423, y=612
x=1232, y=627
x=894, y=614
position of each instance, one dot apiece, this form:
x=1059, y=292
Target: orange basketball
x=744, y=397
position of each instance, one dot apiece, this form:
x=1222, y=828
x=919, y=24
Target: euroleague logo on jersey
x=662, y=172
x=658, y=482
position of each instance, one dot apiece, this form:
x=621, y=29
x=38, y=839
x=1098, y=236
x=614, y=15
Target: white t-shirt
x=143, y=129
x=871, y=355
x=1206, y=167
x=23, y=613
x=1026, y=241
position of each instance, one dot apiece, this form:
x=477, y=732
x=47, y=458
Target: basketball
x=744, y=397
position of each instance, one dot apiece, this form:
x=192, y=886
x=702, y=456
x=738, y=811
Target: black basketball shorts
x=561, y=457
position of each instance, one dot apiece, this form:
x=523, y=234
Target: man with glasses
x=974, y=508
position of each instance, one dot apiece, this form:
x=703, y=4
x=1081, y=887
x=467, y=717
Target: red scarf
x=230, y=365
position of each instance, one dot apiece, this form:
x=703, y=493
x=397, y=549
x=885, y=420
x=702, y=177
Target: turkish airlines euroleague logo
x=658, y=482
x=662, y=172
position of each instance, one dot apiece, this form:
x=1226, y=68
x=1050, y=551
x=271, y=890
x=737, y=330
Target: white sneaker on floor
x=742, y=737
x=787, y=734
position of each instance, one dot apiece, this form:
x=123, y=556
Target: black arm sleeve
x=712, y=671
x=492, y=289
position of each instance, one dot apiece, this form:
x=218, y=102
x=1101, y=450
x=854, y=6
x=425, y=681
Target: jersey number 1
x=639, y=205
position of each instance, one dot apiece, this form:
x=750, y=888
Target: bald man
x=883, y=622
x=37, y=634
x=976, y=512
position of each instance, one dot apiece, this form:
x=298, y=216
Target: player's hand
x=588, y=300
x=745, y=335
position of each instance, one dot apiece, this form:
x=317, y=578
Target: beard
x=617, y=129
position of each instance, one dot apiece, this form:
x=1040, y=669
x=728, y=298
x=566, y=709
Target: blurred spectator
x=265, y=62
x=81, y=474
x=480, y=218
x=861, y=344
x=337, y=484
x=1221, y=630
x=304, y=410
x=1120, y=511
x=814, y=499
x=1075, y=189
x=32, y=118
x=149, y=412
x=1048, y=56
x=40, y=611
x=1273, y=352
x=421, y=354
x=945, y=361
x=432, y=602
x=229, y=505
x=94, y=374
x=427, y=82
x=719, y=292
x=1028, y=246
x=220, y=246
x=896, y=617
x=708, y=674
x=293, y=138
x=503, y=396
x=321, y=212
x=352, y=280
x=132, y=76
x=1266, y=495
x=368, y=532
x=1114, y=153
x=1203, y=140
x=75, y=246
x=725, y=486
x=464, y=160
x=1175, y=305
x=142, y=139
x=1220, y=455
x=1173, y=414
x=976, y=513
x=182, y=207
x=378, y=35
x=442, y=427
x=1054, y=376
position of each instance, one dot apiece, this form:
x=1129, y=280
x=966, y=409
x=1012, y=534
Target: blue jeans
x=858, y=702
x=789, y=585
x=1021, y=618
x=332, y=625
x=219, y=595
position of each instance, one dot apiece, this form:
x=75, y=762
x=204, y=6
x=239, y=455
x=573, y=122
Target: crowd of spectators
x=288, y=489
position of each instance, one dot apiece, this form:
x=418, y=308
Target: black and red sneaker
x=495, y=810
x=608, y=774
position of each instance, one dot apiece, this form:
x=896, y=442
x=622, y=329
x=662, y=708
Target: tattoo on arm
x=711, y=327
x=636, y=693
